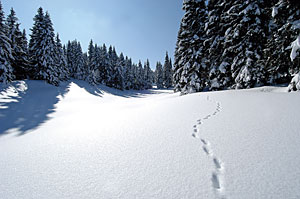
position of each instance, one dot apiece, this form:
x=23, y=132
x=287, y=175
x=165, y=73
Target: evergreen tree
x=217, y=27
x=70, y=58
x=79, y=63
x=6, y=70
x=123, y=69
x=147, y=75
x=42, y=49
x=114, y=71
x=279, y=66
x=61, y=60
x=92, y=65
x=189, y=66
x=140, y=81
x=18, y=48
x=245, y=40
x=24, y=43
x=35, y=42
x=86, y=71
x=97, y=75
x=167, y=72
x=159, y=76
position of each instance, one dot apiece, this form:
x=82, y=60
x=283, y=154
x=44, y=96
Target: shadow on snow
x=31, y=107
x=25, y=105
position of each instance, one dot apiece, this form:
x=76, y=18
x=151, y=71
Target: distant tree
x=80, y=69
x=77, y=65
x=103, y=64
x=167, y=72
x=128, y=74
x=140, y=76
x=92, y=64
x=122, y=67
x=147, y=75
x=61, y=60
x=159, y=76
x=114, y=71
x=70, y=58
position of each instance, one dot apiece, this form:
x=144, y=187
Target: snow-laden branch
x=295, y=47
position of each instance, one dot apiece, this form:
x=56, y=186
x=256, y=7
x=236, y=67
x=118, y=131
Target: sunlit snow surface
x=78, y=141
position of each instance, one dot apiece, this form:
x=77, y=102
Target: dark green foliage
x=245, y=44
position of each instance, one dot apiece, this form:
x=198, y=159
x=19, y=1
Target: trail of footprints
x=217, y=174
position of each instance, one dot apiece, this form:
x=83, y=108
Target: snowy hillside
x=78, y=141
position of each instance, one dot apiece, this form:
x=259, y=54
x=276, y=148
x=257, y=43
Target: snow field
x=96, y=142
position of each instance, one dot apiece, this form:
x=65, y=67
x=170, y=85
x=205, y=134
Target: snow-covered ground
x=78, y=141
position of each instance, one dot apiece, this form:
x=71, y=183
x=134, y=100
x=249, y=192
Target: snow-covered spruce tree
x=122, y=66
x=70, y=58
x=159, y=81
x=76, y=63
x=35, y=42
x=85, y=66
x=167, y=72
x=140, y=76
x=79, y=63
x=97, y=76
x=24, y=43
x=103, y=64
x=42, y=49
x=294, y=56
x=61, y=60
x=295, y=83
x=114, y=71
x=147, y=75
x=217, y=27
x=6, y=70
x=19, y=62
x=189, y=68
x=128, y=74
x=92, y=64
x=283, y=31
x=134, y=81
x=245, y=42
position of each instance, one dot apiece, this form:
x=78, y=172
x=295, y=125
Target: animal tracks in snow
x=217, y=182
x=206, y=150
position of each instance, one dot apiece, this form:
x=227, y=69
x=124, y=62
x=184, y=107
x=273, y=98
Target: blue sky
x=140, y=29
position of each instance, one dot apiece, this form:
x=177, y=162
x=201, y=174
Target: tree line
x=235, y=44
x=44, y=57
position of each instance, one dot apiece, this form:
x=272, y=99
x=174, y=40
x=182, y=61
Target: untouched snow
x=78, y=141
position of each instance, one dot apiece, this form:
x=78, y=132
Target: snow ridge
x=218, y=171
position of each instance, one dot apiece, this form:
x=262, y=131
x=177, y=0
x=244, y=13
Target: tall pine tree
x=42, y=49
x=6, y=70
x=167, y=72
x=189, y=65
x=159, y=76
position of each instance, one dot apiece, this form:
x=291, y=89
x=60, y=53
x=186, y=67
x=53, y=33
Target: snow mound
x=295, y=83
